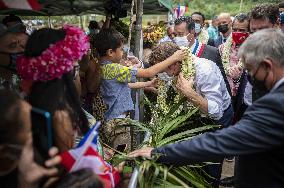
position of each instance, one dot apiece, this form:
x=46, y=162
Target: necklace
x=203, y=37
x=188, y=70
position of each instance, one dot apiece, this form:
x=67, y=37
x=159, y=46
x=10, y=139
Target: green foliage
x=163, y=131
x=214, y=7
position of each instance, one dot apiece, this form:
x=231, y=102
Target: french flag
x=20, y=4
x=86, y=155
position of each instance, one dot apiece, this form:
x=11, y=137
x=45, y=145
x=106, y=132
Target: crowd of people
x=56, y=84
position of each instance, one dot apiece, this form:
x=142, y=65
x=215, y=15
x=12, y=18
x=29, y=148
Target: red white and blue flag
x=20, y=4
x=86, y=155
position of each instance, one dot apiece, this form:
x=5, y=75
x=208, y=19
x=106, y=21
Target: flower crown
x=57, y=59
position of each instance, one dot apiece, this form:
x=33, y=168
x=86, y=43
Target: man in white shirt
x=210, y=93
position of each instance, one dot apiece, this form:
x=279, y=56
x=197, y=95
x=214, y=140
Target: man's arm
x=261, y=129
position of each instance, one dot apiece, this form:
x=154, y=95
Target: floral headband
x=57, y=59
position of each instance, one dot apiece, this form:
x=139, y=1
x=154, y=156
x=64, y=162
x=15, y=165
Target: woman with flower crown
x=232, y=65
x=50, y=65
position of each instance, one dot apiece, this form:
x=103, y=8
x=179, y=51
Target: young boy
x=116, y=79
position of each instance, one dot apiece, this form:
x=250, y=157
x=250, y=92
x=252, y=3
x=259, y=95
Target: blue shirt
x=212, y=32
x=114, y=88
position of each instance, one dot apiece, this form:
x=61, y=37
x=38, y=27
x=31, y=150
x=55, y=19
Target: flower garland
x=57, y=59
x=188, y=70
x=203, y=37
x=226, y=52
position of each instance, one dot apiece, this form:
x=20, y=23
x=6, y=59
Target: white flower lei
x=226, y=55
x=188, y=70
x=203, y=37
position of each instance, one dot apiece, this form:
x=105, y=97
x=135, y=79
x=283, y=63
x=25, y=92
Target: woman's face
x=11, y=153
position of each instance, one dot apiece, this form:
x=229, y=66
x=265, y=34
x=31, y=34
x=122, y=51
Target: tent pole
x=81, y=21
x=138, y=52
x=49, y=22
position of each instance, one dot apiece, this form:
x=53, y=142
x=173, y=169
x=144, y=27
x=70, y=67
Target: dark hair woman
x=50, y=62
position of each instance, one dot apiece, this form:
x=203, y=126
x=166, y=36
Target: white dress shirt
x=210, y=84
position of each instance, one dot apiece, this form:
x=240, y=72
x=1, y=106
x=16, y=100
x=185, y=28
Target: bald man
x=225, y=29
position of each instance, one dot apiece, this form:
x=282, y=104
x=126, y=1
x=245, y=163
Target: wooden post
x=138, y=52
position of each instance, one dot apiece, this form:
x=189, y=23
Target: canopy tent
x=79, y=7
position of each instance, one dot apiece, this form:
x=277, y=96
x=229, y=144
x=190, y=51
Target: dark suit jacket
x=213, y=54
x=215, y=43
x=257, y=140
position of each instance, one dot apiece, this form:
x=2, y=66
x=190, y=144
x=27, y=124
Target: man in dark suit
x=224, y=27
x=185, y=31
x=258, y=138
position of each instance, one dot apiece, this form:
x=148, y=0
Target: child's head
x=161, y=52
x=109, y=45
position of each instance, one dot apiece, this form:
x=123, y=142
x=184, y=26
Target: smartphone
x=42, y=128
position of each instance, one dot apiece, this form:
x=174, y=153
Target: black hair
x=83, y=178
x=241, y=17
x=57, y=94
x=107, y=39
x=93, y=25
x=186, y=19
x=11, y=122
x=199, y=13
x=11, y=18
x=265, y=11
x=281, y=5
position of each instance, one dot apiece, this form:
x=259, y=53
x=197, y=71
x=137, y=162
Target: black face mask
x=259, y=88
x=13, y=60
x=223, y=28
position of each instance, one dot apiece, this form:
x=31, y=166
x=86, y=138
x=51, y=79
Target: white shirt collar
x=278, y=83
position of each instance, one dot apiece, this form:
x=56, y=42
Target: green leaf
x=175, y=123
x=187, y=133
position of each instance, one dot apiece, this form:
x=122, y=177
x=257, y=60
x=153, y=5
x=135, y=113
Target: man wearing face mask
x=201, y=34
x=263, y=16
x=257, y=139
x=233, y=66
x=11, y=46
x=225, y=29
x=185, y=31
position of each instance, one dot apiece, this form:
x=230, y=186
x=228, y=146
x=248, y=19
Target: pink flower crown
x=56, y=60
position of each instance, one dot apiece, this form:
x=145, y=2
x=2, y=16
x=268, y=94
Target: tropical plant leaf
x=174, y=124
x=188, y=133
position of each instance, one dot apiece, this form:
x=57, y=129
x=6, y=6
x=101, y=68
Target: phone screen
x=42, y=130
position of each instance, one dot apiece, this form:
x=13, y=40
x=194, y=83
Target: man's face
x=281, y=10
x=240, y=26
x=13, y=43
x=258, y=24
x=174, y=69
x=171, y=32
x=223, y=20
x=198, y=19
x=181, y=30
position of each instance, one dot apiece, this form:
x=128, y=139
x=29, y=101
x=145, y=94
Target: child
x=116, y=78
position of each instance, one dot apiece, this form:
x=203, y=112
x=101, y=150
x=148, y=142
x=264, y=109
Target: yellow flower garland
x=226, y=55
x=188, y=70
x=203, y=37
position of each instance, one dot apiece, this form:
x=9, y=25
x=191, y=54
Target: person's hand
x=135, y=61
x=185, y=86
x=235, y=72
x=179, y=55
x=153, y=83
x=30, y=171
x=144, y=152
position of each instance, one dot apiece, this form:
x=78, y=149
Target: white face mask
x=181, y=41
x=197, y=28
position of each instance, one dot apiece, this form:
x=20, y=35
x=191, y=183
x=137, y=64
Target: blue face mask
x=197, y=28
